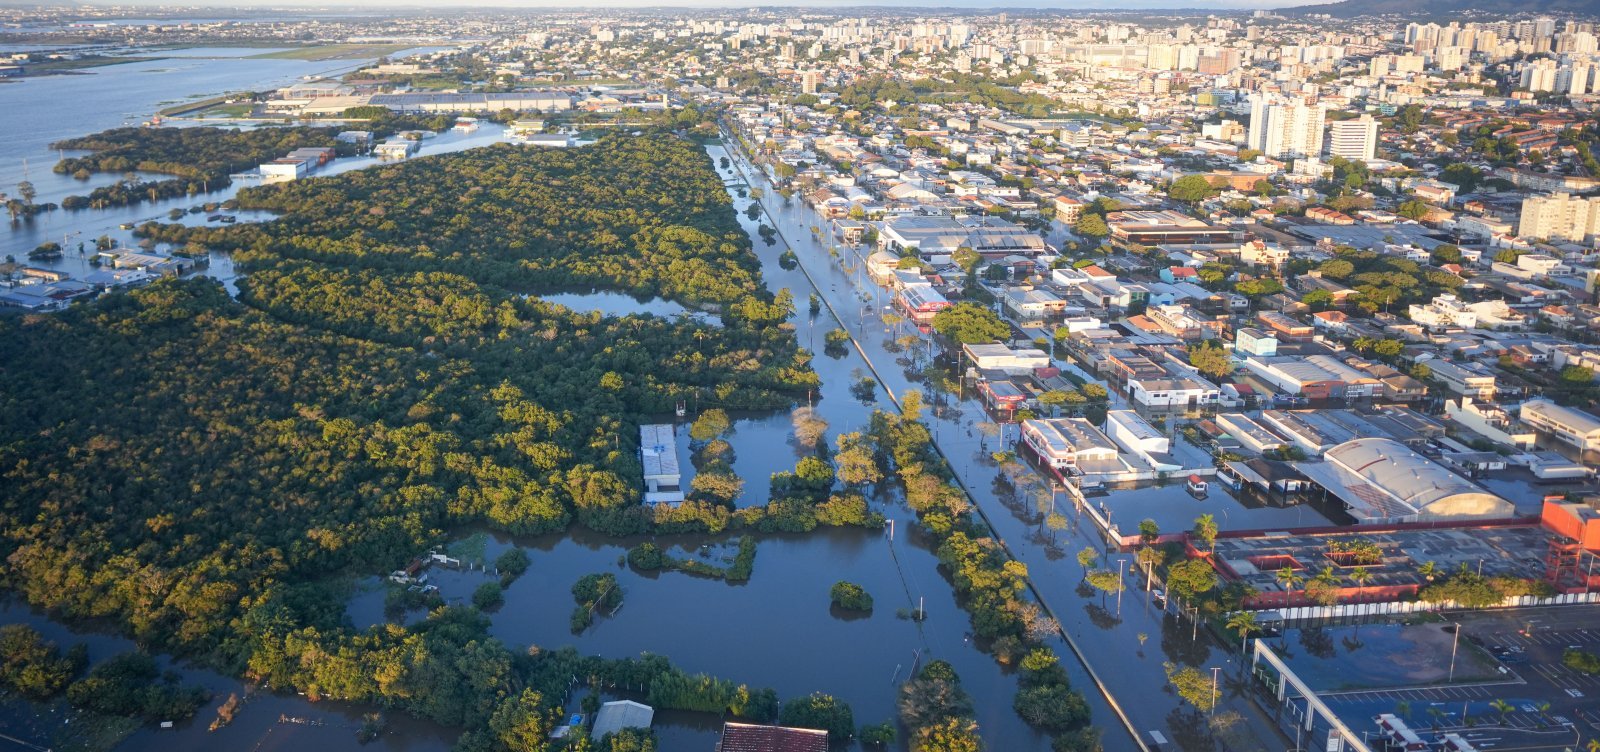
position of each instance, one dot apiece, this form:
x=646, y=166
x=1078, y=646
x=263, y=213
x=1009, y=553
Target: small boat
x=1196, y=486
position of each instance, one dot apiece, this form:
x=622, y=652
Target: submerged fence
x=1349, y=610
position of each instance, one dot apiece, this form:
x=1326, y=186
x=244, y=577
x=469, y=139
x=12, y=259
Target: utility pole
x=1121, y=565
x=1453, y=643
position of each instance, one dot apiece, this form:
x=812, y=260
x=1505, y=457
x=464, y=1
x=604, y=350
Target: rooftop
x=621, y=714
x=1382, y=479
x=745, y=737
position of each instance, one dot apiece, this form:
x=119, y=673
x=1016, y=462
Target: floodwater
x=777, y=630
x=1379, y=656
x=1124, y=644
x=1173, y=508
x=40, y=111
x=256, y=727
x=83, y=227
x=611, y=303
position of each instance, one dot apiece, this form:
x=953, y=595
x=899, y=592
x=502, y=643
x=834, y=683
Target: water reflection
x=610, y=303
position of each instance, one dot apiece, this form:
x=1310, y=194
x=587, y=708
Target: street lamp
x=1214, y=671
x=1453, y=643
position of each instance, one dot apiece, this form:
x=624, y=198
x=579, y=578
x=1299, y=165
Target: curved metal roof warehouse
x=1382, y=480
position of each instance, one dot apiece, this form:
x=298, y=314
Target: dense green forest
x=197, y=469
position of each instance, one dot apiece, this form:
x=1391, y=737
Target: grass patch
x=333, y=52
x=66, y=66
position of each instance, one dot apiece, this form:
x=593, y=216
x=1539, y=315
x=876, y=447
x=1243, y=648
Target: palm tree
x=1205, y=528
x=1503, y=708
x=1327, y=576
x=1290, y=580
x=1428, y=570
x=1243, y=622
x=1360, y=577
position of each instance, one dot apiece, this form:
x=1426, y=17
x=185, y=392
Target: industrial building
x=658, y=452
x=1140, y=439
x=524, y=101
x=1570, y=428
x=1382, y=481
x=1004, y=358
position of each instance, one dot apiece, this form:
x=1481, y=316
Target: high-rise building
x=1449, y=58
x=1218, y=62
x=1560, y=217
x=1161, y=57
x=809, y=81
x=1285, y=128
x=1354, y=139
x=1540, y=75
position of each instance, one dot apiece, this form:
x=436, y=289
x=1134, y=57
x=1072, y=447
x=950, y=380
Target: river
x=40, y=111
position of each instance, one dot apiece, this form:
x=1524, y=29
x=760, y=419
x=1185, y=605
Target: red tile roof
x=744, y=737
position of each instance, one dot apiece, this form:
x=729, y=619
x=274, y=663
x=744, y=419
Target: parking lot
x=1532, y=642
x=1532, y=701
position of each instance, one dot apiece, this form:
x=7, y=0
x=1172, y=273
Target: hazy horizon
x=1092, y=5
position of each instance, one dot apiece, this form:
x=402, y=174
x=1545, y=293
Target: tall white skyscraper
x=1354, y=139
x=1285, y=128
x=1256, y=137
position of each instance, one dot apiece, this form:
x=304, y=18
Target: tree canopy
x=192, y=468
x=970, y=324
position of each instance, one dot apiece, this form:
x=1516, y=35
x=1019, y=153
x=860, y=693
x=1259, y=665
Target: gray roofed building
x=440, y=102
x=621, y=714
x=658, y=453
x=1570, y=426
x=1383, y=481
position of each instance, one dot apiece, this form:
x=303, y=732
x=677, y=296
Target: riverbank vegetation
x=378, y=384
x=199, y=159
x=129, y=685
x=648, y=557
x=993, y=589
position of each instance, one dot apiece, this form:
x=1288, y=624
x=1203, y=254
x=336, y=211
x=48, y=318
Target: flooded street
x=1125, y=648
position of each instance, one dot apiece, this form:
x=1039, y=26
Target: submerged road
x=1111, y=640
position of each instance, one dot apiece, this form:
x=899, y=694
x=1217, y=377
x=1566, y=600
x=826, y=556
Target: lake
x=609, y=303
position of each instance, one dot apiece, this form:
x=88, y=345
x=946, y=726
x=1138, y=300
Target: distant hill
x=1412, y=8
